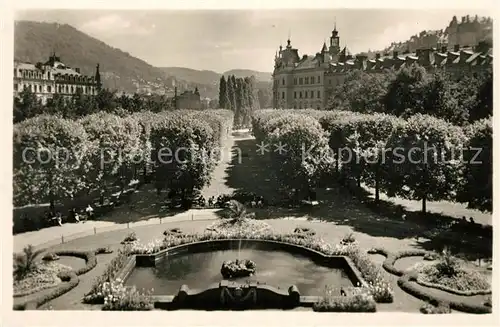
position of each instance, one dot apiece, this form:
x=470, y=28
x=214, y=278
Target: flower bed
x=44, y=276
x=117, y=263
x=361, y=302
x=69, y=278
x=241, y=226
x=464, y=282
x=408, y=283
x=118, y=297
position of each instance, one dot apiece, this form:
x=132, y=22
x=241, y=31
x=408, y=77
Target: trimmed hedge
x=406, y=279
x=405, y=282
x=88, y=256
x=391, y=258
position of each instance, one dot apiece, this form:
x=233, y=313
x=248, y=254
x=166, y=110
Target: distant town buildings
x=54, y=77
x=309, y=81
x=188, y=100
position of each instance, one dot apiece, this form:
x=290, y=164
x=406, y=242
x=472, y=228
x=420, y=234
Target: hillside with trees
x=35, y=41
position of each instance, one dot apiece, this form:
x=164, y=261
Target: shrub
x=430, y=256
x=304, y=231
x=348, y=239
x=104, y=250
x=25, y=262
x=50, y=257
x=432, y=309
x=447, y=264
x=132, y=237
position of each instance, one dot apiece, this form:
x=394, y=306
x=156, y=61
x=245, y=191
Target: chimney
x=444, y=48
x=377, y=56
x=77, y=70
x=395, y=54
x=456, y=47
x=424, y=58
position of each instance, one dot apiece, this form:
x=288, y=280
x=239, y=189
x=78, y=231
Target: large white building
x=53, y=77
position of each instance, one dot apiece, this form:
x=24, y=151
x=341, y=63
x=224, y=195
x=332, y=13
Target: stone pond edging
x=270, y=295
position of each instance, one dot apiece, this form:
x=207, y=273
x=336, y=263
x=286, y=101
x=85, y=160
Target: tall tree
x=223, y=98
x=477, y=188
x=232, y=95
x=484, y=99
x=405, y=93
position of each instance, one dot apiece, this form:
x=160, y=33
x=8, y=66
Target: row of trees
x=27, y=105
x=238, y=95
x=57, y=158
x=419, y=158
x=458, y=99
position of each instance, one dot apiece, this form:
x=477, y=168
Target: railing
x=58, y=237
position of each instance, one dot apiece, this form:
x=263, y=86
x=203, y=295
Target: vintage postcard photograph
x=293, y=161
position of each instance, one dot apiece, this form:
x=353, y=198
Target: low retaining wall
x=233, y=295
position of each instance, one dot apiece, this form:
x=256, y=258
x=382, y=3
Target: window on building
x=305, y=94
x=330, y=81
x=301, y=81
x=16, y=87
x=295, y=81
x=319, y=79
x=295, y=95
x=307, y=80
x=282, y=95
x=48, y=75
x=312, y=94
x=300, y=94
x=283, y=81
x=319, y=94
x=49, y=89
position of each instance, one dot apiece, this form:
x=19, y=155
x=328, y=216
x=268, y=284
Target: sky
x=221, y=40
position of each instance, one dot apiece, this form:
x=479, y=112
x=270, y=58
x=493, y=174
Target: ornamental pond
x=200, y=269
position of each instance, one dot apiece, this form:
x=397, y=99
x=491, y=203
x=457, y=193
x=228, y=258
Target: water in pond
x=200, y=270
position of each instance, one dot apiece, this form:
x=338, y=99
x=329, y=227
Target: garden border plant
x=70, y=279
x=406, y=279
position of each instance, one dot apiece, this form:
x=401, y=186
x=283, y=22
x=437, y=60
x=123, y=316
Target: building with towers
x=54, y=77
x=309, y=81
